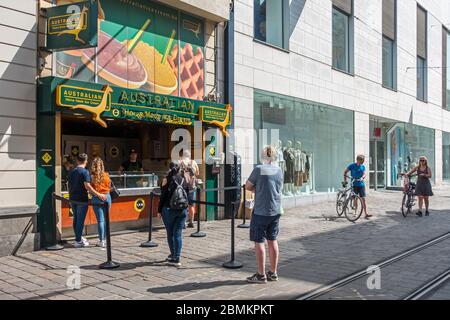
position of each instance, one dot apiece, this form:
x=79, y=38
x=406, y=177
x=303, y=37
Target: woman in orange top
x=101, y=182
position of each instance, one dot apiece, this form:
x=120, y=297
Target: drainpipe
x=229, y=60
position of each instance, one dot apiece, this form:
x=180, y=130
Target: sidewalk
x=316, y=248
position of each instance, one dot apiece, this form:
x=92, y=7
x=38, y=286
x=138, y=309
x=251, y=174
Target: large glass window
x=406, y=144
x=388, y=63
x=341, y=40
x=270, y=20
x=321, y=136
x=446, y=156
x=421, y=79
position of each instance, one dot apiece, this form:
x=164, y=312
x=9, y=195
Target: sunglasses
x=423, y=160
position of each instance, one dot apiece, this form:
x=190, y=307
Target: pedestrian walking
x=79, y=186
x=173, y=207
x=266, y=181
x=101, y=183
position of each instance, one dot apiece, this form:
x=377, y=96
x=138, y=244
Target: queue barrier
x=109, y=264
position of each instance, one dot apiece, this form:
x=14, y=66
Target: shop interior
x=113, y=144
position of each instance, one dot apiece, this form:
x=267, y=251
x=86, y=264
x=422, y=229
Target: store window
x=271, y=21
x=446, y=156
x=317, y=141
x=342, y=36
x=406, y=144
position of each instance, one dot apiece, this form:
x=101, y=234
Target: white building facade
x=340, y=78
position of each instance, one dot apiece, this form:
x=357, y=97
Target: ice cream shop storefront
x=137, y=92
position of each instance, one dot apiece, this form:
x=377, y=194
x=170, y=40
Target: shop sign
x=110, y=102
x=72, y=26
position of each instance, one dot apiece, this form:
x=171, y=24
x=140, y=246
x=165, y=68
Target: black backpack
x=179, y=199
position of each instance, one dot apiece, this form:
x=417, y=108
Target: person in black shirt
x=134, y=167
x=174, y=220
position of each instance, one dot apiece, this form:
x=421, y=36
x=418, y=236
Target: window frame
x=425, y=60
x=285, y=27
x=394, y=52
x=350, y=37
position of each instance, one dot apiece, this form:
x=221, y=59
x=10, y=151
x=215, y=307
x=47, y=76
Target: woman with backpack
x=173, y=207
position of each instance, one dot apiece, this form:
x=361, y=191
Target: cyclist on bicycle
x=358, y=173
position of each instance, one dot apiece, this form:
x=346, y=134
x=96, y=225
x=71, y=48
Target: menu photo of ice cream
x=141, y=45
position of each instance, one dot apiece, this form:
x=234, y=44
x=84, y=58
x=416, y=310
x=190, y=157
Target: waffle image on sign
x=161, y=76
x=192, y=75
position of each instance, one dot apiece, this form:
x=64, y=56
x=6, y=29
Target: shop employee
x=132, y=164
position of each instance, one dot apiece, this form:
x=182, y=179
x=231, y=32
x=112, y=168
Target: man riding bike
x=358, y=173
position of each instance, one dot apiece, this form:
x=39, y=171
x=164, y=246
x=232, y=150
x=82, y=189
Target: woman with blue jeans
x=174, y=220
x=101, y=183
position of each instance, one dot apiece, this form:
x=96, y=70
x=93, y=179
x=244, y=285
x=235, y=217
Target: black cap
x=82, y=157
x=132, y=150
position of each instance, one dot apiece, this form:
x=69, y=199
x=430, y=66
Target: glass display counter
x=130, y=211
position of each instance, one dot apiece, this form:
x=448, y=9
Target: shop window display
x=446, y=156
x=406, y=144
x=315, y=141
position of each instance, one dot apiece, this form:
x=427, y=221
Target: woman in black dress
x=423, y=188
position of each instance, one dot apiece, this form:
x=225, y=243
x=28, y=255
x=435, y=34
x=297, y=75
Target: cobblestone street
x=316, y=248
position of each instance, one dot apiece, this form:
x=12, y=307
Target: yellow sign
x=210, y=115
x=139, y=205
x=93, y=101
x=46, y=158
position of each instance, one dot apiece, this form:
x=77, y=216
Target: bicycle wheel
x=340, y=200
x=406, y=207
x=354, y=209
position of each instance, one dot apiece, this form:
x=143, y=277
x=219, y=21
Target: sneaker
x=169, y=258
x=427, y=213
x=257, y=278
x=101, y=244
x=174, y=262
x=419, y=213
x=81, y=244
x=271, y=276
x=190, y=225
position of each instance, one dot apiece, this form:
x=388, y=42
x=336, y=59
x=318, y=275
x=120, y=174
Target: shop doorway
x=377, y=164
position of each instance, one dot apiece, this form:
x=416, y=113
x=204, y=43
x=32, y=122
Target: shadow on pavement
x=196, y=286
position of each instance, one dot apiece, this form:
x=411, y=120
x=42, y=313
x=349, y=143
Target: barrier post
x=198, y=233
x=150, y=243
x=244, y=224
x=232, y=264
x=56, y=246
x=109, y=264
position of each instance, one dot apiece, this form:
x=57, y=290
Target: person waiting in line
x=101, y=182
x=358, y=173
x=191, y=168
x=173, y=217
x=423, y=188
x=79, y=186
x=266, y=181
x=132, y=166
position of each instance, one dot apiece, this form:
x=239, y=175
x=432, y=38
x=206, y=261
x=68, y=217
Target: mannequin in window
x=289, y=158
x=299, y=167
x=280, y=160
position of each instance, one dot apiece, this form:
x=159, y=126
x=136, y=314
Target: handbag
x=114, y=192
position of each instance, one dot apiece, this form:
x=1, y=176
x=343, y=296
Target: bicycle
x=348, y=202
x=409, y=197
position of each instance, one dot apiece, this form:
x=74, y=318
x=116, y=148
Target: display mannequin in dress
x=289, y=158
x=299, y=168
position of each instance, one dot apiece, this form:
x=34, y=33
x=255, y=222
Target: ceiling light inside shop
x=271, y=103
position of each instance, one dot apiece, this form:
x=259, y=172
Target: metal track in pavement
x=429, y=287
x=322, y=290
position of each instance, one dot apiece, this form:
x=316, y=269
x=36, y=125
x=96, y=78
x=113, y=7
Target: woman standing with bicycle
x=423, y=189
